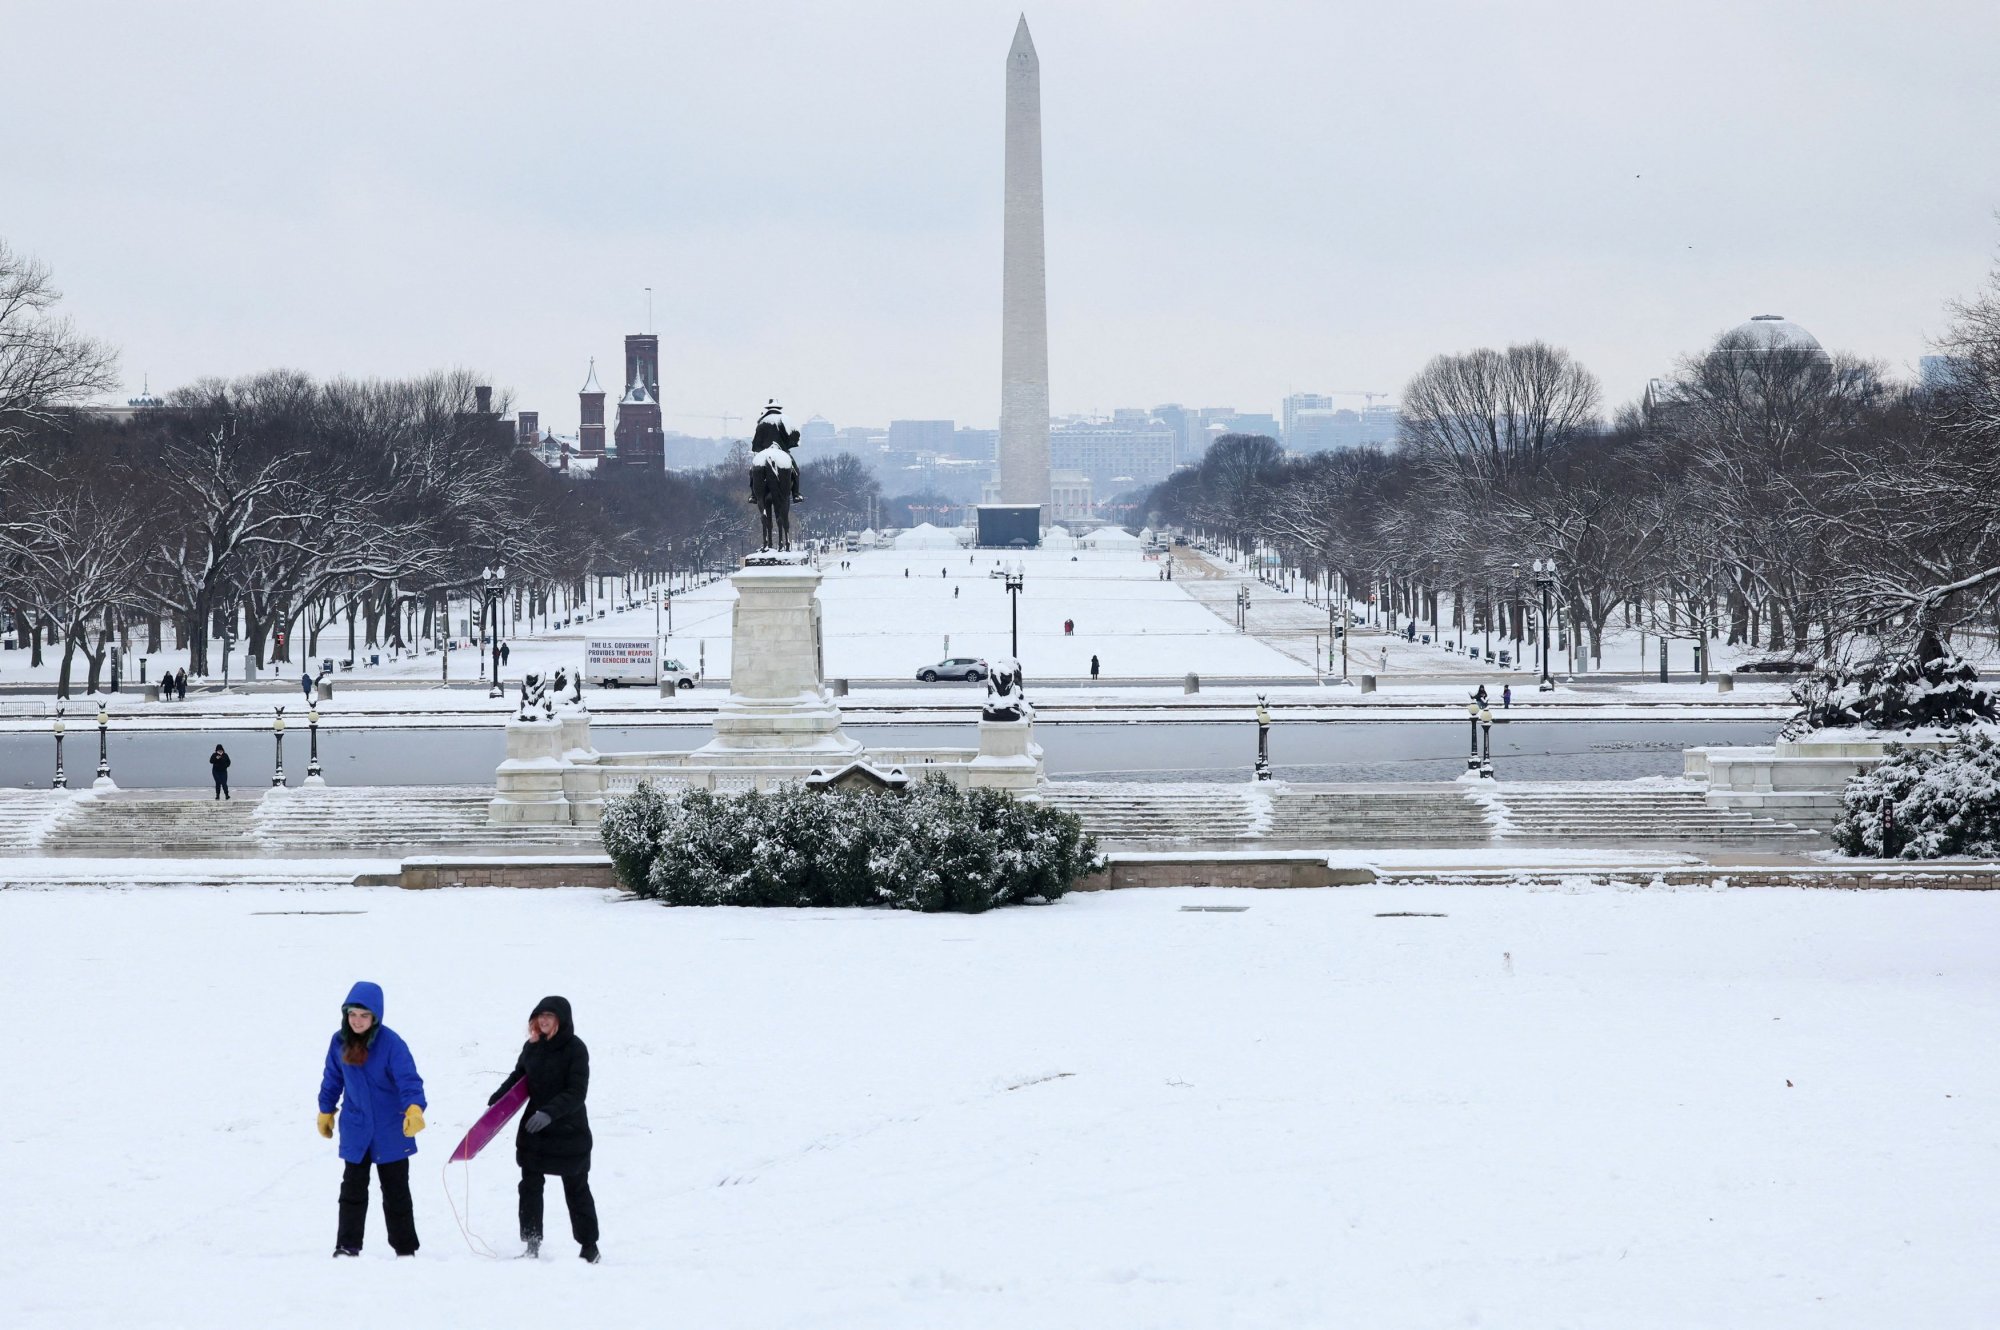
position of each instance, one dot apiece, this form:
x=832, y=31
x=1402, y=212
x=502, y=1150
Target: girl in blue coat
x=372, y=1077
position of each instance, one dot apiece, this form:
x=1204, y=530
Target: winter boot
x=589, y=1253
x=534, y=1247
x=346, y=1251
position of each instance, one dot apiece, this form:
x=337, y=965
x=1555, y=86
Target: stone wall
x=533, y=871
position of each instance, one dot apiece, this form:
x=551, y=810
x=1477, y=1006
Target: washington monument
x=1024, y=302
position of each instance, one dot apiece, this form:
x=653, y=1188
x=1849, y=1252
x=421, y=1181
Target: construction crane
x=698, y=415
x=1357, y=392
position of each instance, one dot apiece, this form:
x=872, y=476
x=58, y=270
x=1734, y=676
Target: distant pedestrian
x=218, y=767
x=1093, y=669
x=944, y=572
x=505, y=651
x=954, y=593
x=1480, y=696
x=1506, y=696
x=306, y=683
x=181, y=685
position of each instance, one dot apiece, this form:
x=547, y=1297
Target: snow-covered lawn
x=1603, y=1108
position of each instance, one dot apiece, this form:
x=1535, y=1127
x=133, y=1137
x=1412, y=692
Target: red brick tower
x=638, y=435
x=590, y=408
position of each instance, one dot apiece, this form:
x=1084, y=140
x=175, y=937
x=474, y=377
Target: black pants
x=221, y=784
x=396, y=1212
x=576, y=1194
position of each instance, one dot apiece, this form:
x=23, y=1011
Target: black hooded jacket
x=558, y=1074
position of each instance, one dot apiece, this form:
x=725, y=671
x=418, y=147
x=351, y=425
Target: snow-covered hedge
x=1925, y=803
x=931, y=847
x=1925, y=687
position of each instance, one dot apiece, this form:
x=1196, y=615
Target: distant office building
x=975, y=445
x=920, y=436
x=1379, y=424
x=1319, y=430
x=1296, y=403
x=1186, y=425
x=818, y=430
x=1935, y=372
x=1115, y=456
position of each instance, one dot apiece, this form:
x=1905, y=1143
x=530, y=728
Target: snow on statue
x=774, y=476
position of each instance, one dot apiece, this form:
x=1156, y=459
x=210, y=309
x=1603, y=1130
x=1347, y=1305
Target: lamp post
x=495, y=581
x=1243, y=608
x=313, y=774
x=1015, y=578
x=278, y=733
x=1472, y=715
x=61, y=781
x=103, y=781
x=1545, y=581
x=1486, y=761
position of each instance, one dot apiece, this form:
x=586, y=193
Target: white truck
x=619, y=662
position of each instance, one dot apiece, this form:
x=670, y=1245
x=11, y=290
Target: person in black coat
x=554, y=1136
x=218, y=767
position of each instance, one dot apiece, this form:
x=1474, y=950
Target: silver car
x=958, y=667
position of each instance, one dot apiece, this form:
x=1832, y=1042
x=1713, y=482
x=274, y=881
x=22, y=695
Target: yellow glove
x=413, y=1121
x=326, y=1125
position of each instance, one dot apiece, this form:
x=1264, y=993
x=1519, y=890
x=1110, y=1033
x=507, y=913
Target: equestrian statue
x=774, y=476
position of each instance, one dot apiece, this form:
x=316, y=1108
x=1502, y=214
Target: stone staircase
x=1616, y=812
x=123, y=824
x=1337, y=815
x=371, y=822
x=302, y=823
x=1144, y=812
x=26, y=816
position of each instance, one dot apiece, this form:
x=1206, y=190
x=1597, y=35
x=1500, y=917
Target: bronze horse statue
x=774, y=477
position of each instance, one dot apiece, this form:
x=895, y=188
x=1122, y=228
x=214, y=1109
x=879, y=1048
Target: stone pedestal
x=529, y=784
x=778, y=706
x=1009, y=758
x=583, y=780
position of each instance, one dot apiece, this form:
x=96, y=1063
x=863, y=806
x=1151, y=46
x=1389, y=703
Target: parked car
x=1777, y=665
x=964, y=668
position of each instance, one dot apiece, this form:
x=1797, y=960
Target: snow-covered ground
x=1594, y=1108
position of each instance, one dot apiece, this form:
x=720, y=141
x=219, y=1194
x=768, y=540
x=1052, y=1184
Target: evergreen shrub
x=1925, y=803
x=1926, y=686
x=930, y=847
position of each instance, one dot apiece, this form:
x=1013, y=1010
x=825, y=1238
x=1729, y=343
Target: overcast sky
x=1243, y=199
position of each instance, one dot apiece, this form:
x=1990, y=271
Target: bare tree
x=44, y=362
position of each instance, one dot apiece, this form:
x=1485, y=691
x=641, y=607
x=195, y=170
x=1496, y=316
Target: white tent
x=868, y=539
x=1058, y=538
x=924, y=536
x=1110, y=538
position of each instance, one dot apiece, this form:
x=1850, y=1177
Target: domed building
x=1769, y=332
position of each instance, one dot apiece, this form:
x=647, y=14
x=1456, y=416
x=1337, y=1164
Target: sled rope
x=473, y=1241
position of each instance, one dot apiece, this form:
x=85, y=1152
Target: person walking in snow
x=505, y=651
x=180, y=685
x=306, y=683
x=1506, y=696
x=371, y=1077
x=1093, y=669
x=218, y=767
x=554, y=1135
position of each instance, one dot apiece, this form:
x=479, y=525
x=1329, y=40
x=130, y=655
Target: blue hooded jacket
x=373, y=1095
